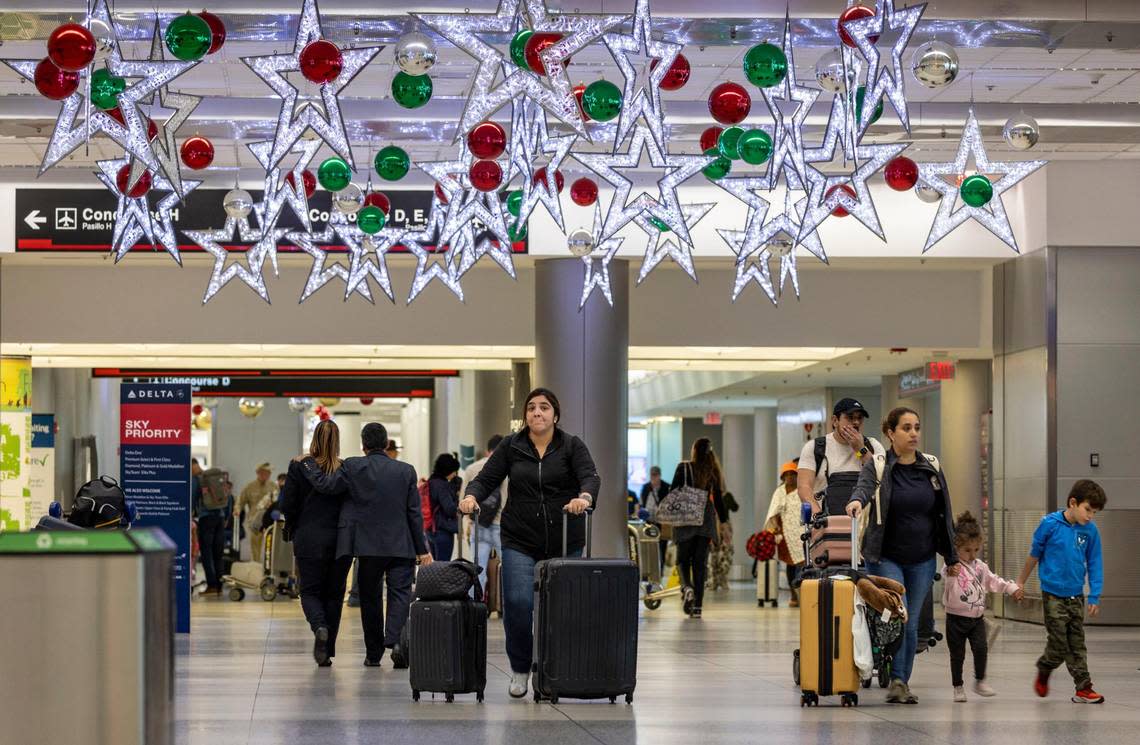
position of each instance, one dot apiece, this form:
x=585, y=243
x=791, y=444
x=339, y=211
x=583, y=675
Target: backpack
x=425, y=507
x=839, y=489
x=100, y=503
x=213, y=484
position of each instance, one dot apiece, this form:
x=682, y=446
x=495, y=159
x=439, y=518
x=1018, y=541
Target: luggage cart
x=645, y=549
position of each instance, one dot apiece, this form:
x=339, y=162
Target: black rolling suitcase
x=447, y=644
x=585, y=630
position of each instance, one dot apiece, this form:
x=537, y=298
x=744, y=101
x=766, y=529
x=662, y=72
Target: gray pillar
x=767, y=461
x=492, y=405
x=520, y=386
x=739, y=454
x=583, y=357
x=965, y=400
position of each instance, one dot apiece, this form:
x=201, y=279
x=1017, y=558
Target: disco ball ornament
x=580, y=242
x=935, y=64
x=105, y=89
x=349, y=200
x=392, y=163
x=584, y=191
x=370, y=219
x=237, y=203
x=334, y=174
x=719, y=168
x=71, y=47
x=765, y=65
x=729, y=103
x=602, y=100
x=854, y=13
x=251, y=407
x=197, y=152
x=518, y=47
x=976, y=190
x=411, y=91
x=927, y=193
x=781, y=245
x=105, y=38
x=1021, y=132
x=54, y=83
x=415, y=53
x=217, y=30
x=901, y=173
x=330, y=401
x=829, y=72
x=710, y=137
x=755, y=146
x=321, y=61
x=298, y=405
x=141, y=187
x=188, y=37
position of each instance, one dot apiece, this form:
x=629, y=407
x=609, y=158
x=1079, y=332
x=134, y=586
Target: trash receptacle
x=87, y=630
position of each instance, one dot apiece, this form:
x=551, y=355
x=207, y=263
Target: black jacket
x=381, y=515
x=876, y=528
x=444, y=504
x=311, y=518
x=538, y=490
x=647, y=489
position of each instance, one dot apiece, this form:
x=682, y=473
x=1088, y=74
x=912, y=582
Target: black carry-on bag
x=447, y=643
x=585, y=626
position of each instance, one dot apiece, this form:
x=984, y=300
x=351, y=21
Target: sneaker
x=982, y=688
x=696, y=613
x=321, y=646
x=688, y=597
x=519, y=683
x=399, y=657
x=959, y=694
x=899, y=693
x=1087, y=695
x=369, y=662
x=1041, y=684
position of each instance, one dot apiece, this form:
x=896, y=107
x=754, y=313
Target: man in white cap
x=257, y=496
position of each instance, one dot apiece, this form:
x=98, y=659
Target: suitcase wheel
x=613, y=699
x=268, y=590
x=479, y=697
x=237, y=594
x=807, y=698
x=415, y=695
x=449, y=697
x=554, y=700
x=629, y=698
x=850, y=699
x=537, y=696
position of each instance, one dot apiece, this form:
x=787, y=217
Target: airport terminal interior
x=776, y=292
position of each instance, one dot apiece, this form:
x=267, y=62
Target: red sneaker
x=1041, y=684
x=1087, y=696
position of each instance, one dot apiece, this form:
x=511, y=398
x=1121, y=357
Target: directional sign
x=35, y=220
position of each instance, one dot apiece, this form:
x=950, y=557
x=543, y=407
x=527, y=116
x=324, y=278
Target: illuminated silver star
x=680, y=251
x=319, y=273
x=603, y=253
x=251, y=273
x=361, y=265
x=635, y=54
x=750, y=266
x=133, y=219
x=293, y=120
x=542, y=143
x=883, y=80
x=788, y=140
x=446, y=270
x=992, y=215
x=277, y=192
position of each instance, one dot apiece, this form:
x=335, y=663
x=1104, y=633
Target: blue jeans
x=917, y=579
x=491, y=537
x=441, y=545
x=518, y=607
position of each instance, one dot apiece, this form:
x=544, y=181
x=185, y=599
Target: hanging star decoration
x=294, y=120
x=644, y=62
x=881, y=79
x=659, y=246
x=277, y=192
x=321, y=273
x=788, y=138
x=453, y=181
x=361, y=247
x=598, y=276
x=148, y=75
x=133, y=219
x=992, y=214
x=427, y=269
x=551, y=91
x=750, y=266
x=251, y=273
x=541, y=143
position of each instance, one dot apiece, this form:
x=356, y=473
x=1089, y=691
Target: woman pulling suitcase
x=550, y=471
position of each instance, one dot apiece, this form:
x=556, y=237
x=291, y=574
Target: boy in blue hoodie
x=1066, y=546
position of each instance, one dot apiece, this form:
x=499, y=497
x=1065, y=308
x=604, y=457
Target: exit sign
x=940, y=370
x=712, y=417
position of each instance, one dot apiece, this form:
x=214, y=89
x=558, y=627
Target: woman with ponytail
x=703, y=471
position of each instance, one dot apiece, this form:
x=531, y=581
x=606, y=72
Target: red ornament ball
x=901, y=173
x=141, y=187
x=839, y=211
x=534, y=47
x=579, y=91
x=217, y=30
x=854, y=13
x=487, y=140
x=151, y=128
x=366, y=401
x=677, y=75
x=729, y=103
x=440, y=194
x=321, y=61
x=379, y=199
x=559, y=179
x=486, y=175
x=197, y=152
x=53, y=82
x=584, y=192
x=71, y=47
x=197, y=409
x=308, y=179
x=710, y=137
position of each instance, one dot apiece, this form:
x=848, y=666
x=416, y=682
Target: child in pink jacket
x=964, y=598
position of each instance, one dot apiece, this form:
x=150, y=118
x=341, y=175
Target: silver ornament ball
x=780, y=246
x=415, y=53
x=298, y=405
x=935, y=64
x=580, y=243
x=237, y=203
x=104, y=38
x=349, y=200
x=927, y=193
x=829, y=72
x=1021, y=131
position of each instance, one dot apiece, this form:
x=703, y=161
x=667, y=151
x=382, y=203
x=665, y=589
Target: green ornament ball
x=518, y=48
x=392, y=163
x=514, y=202
x=755, y=146
x=517, y=231
x=976, y=190
x=765, y=65
x=188, y=37
x=659, y=224
x=728, y=143
x=859, y=95
x=719, y=168
x=602, y=100
x=411, y=91
x=334, y=174
x=370, y=219
x=105, y=89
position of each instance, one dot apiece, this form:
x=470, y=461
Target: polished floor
x=246, y=675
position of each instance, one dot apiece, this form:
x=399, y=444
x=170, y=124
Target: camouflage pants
x=1065, y=626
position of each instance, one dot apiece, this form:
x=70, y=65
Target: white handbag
x=683, y=506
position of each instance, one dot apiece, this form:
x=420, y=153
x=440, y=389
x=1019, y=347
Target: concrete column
x=767, y=460
x=492, y=406
x=965, y=399
x=520, y=386
x=738, y=434
x=583, y=357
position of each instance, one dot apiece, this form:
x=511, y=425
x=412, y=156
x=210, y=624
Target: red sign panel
x=154, y=424
x=941, y=370
x=712, y=418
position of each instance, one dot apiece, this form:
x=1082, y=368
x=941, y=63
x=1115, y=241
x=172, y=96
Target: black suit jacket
x=661, y=492
x=312, y=518
x=381, y=515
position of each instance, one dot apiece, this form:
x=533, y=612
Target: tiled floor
x=246, y=675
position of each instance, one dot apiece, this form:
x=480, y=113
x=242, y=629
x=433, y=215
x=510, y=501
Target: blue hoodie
x=1064, y=550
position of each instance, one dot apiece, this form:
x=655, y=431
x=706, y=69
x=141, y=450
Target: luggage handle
x=854, y=543
x=589, y=531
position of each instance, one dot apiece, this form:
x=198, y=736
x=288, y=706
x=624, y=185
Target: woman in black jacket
x=312, y=520
x=550, y=472
x=908, y=519
x=444, y=496
x=703, y=471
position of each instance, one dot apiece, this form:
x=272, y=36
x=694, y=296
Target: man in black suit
x=381, y=525
x=656, y=490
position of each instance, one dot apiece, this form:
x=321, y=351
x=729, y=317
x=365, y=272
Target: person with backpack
x=829, y=466
x=211, y=503
x=444, y=498
x=490, y=515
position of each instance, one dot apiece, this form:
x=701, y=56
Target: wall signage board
x=290, y=383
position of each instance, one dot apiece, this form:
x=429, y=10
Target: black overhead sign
x=76, y=220
x=290, y=383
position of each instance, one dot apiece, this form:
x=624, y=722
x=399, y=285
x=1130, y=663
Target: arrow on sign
x=35, y=220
